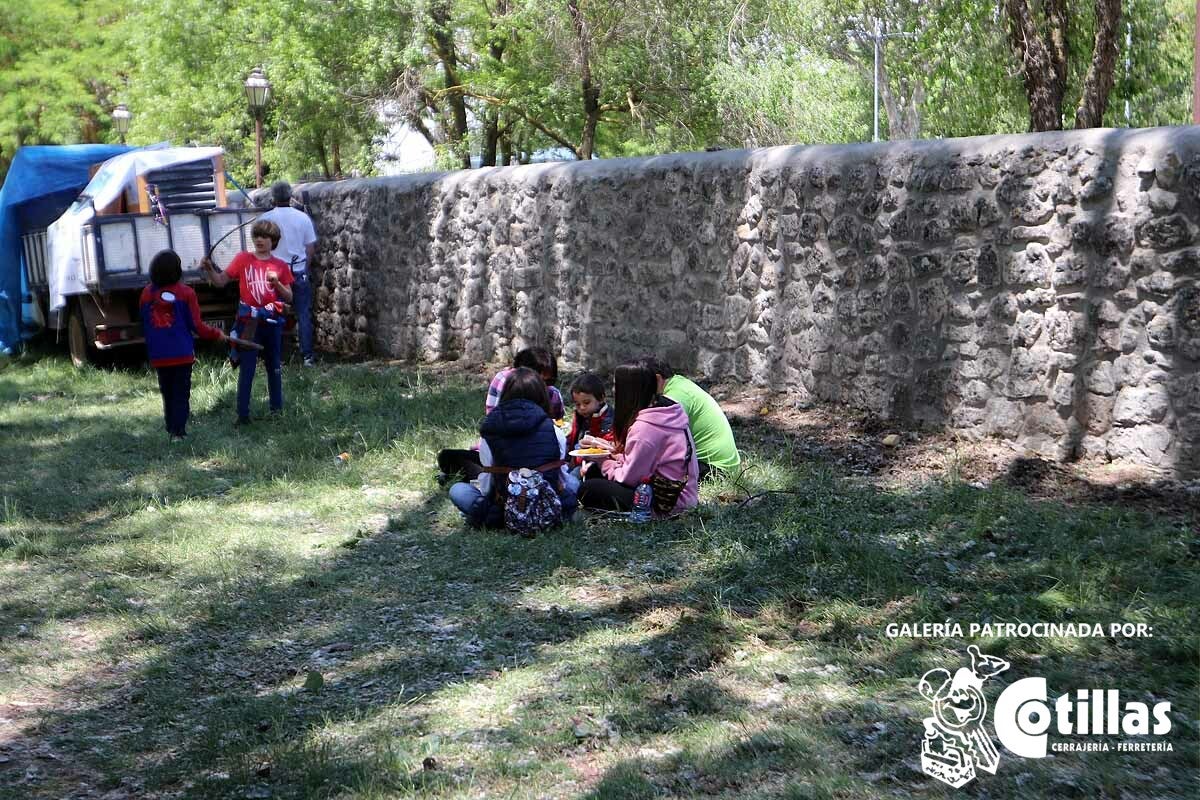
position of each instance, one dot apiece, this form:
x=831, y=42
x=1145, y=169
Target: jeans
x=270, y=336
x=302, y=306
x=470, y=502
x=175, y=384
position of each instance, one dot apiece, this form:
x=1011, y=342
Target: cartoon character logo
x=956, y=743
x=162, y=312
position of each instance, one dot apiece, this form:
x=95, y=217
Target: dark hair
x=281, y=193
x=525, y=384
x=658, y=366
x=265, y=227
x=634, y=388
x=165, y=268
x=589, y=383
x=540, y=360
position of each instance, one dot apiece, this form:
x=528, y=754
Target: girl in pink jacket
x=652, y=437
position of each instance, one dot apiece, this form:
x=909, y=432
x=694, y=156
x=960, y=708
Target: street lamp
x=121, y=116
x=258, y=92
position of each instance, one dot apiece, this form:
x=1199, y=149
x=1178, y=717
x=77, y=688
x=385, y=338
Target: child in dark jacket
x=593, y=417
x=453, y=461
x=170, y=317
x=517, y=433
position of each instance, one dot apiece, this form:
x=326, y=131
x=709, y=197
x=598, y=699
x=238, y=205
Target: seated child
x=453, y=461
x=170, y=317
x=592, y=417
x=518, y=434
x=715, y=448
x=652, y=439
x=541, y=361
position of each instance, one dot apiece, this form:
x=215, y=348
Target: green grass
x=163, y=606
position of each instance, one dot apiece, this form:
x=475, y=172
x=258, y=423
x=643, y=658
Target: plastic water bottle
x=643, y=496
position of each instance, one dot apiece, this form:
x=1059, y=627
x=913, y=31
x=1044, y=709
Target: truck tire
x=78, y=340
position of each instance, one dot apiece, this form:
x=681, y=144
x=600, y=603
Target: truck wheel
x=81, y=349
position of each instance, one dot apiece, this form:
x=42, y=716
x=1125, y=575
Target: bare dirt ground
x=892, y=456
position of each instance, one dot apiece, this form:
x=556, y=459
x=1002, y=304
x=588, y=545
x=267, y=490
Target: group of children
x=660, y=429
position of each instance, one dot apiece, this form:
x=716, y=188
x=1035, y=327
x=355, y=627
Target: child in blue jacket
x=170, y=317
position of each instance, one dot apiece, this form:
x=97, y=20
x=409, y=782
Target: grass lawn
x=238, y=616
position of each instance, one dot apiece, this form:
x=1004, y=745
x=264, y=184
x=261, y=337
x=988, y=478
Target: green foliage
x=324, y=62
x=666, y=74
x=62, y=69
x=1158, y=84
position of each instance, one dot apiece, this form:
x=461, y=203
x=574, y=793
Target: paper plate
x=589, y=453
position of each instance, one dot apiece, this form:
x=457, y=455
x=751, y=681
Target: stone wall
x=1041, y=288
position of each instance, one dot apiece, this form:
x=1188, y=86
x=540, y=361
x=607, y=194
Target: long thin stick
x=217, y=243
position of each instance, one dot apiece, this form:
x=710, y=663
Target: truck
x=84, y=272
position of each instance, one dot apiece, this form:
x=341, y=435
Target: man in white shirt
x=297, y=245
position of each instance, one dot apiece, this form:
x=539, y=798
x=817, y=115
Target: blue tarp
x=41, y=182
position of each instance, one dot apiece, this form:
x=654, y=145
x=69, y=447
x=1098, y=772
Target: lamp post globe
x=258, y=92
x=121, y=116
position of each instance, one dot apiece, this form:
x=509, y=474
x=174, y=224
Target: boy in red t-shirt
x=264, y=287
x=170, y=316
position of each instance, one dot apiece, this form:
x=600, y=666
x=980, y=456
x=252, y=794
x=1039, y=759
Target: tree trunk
x=903, y=115
x=1043, y=59
x=337, y=158
x=324, y=159
x=589, y=90
x=1102, y=72
x=506, y=149
x=443, y=42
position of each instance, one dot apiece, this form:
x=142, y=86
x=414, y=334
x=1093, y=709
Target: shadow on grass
x=431, y=639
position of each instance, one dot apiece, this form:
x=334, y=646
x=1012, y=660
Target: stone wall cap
x=829, y=155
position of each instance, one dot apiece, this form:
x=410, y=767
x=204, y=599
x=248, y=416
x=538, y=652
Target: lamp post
x=121, y=116
x=258, y=92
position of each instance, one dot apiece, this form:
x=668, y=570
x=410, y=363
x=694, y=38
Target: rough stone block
x=1030, y=267
x=1148, y=444
x=1027, y=373
x=1165, y=233
x=1141, y=405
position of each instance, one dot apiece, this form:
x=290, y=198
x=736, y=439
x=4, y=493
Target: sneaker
x=176, y=438
x=242, y=421
x=309, y=361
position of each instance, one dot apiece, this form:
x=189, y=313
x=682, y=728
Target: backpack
x=531, y=504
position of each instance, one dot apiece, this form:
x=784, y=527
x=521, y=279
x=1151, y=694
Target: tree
x=325, y=61
x=62, y=66
x=1042, y=38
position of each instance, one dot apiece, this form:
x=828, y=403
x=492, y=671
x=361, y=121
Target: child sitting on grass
x=541, y=361
x=652, y=443
x=453, y=461
x=593, y=417
x=170, y=316
x=518, y=433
